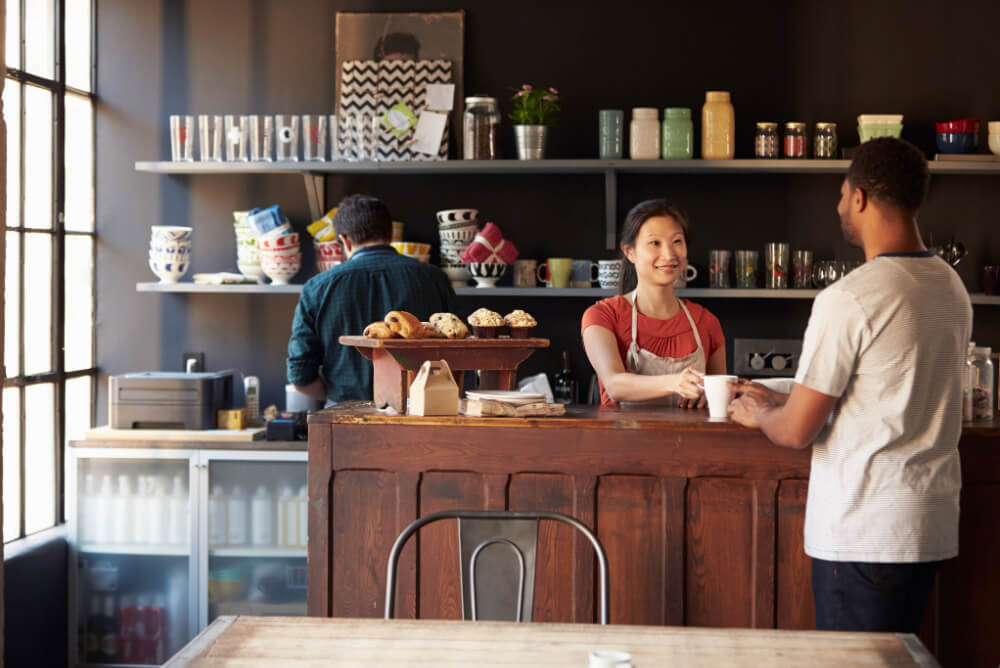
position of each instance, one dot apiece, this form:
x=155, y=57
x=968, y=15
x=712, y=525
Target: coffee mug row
x=565, y=272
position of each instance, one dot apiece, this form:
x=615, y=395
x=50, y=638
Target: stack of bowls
x=328, y=254
x=414, y=249
x=169, y=252
x=247, y=252
x=994, y=127
x=280, y=255
x=457, y=229
x=958, y=136
x=871, y=126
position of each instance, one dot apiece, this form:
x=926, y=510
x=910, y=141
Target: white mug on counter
x=719, y=394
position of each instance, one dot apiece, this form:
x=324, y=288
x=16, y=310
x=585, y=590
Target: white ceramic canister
x=644, y=134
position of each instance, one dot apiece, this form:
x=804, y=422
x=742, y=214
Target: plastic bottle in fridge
x=303, y=508
x=86, y=512
x=217, y=517
x=177, y=514
x=140, y=504
x=288, y=532
x=103, y=503
x=262, y=517
x=237, y=517
x=121, y=526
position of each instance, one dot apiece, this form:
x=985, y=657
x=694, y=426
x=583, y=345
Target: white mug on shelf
x=688, y=274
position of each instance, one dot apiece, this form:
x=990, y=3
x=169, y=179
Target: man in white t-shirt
x=878, y=396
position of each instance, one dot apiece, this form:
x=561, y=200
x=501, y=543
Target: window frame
x=57, y=375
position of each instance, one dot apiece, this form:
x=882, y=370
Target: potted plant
x=535, y=109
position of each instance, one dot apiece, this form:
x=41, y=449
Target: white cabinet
x=165, y=540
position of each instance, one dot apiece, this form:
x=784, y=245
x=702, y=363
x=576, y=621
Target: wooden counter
x=701, y=521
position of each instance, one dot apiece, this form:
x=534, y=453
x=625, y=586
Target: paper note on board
x=430, y=129
x=440, y=97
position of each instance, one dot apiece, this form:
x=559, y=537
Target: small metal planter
x=530, y=141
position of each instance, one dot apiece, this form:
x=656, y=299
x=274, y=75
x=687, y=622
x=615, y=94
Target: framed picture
x=417, y=36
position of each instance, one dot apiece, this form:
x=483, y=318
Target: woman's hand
x=689, y=386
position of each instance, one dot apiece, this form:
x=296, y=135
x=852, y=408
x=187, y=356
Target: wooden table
x=311, y=641
x=397, y=361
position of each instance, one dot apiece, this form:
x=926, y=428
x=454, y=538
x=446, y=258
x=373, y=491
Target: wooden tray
x=396, y=362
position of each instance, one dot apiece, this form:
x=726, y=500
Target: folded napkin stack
x=490, y=247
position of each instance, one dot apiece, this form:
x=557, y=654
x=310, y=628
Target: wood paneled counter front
x=701, y=521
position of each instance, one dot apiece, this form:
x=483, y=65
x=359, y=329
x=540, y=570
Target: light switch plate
x=766, y=357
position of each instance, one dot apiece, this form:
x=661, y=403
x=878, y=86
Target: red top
x=667, y=338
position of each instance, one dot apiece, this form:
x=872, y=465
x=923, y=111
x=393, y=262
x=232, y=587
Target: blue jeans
x=861, y=596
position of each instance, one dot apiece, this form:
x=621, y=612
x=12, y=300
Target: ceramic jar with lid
x=644, y=134
x=718, y=126
x=677, y=134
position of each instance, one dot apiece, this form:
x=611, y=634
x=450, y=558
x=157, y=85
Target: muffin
x=522, y=325
x=449, y=325
x=485, y=323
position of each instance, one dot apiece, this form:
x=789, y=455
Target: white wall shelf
x=256, y=552
x=151, y=550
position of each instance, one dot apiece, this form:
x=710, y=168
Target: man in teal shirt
x=343, y=300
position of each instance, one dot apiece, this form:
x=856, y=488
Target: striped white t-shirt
x=890, y=340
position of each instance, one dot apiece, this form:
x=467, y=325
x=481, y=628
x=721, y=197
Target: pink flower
x=526, y=87
x=520, y=93
x=553, y=91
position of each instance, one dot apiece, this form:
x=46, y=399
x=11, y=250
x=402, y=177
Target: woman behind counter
x=647, y=345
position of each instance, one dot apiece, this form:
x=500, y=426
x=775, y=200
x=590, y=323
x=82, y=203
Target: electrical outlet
x=766, y=357
x=196, y=360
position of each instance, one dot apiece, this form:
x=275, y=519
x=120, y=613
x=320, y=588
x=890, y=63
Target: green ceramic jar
x=677, y=134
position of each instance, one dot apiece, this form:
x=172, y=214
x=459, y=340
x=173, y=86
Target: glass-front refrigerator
x=134, y=535
x=256, y=534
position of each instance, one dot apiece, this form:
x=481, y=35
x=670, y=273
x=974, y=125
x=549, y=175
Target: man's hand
x=747, y=408
x=749, y=388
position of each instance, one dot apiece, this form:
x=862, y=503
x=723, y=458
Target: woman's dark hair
x=399, y=43
x=639, y=214
x=892, y=172
x=363, y=219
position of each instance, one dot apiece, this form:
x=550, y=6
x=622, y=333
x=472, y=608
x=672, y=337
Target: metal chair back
x=497, y=551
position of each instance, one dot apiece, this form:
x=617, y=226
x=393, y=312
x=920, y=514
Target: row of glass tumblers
x=776, y=258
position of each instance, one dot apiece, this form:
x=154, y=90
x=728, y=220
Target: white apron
x=646, y=363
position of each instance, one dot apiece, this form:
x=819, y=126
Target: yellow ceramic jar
x=718, y=126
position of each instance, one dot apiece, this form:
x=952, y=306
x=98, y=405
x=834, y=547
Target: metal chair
x=490, y=542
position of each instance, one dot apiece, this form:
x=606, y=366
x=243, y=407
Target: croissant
x=404, y=324
x=378, y=330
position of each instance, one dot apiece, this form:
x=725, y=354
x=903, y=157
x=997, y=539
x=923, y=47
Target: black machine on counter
x=169, y=399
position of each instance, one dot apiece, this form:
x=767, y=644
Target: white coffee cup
x=690, y=273
x=610, y=659
x=719, y=395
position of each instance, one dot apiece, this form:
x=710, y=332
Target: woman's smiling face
x=660, y=251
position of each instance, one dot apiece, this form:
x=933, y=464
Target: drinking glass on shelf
x=802, y=269
x=260, y=133
x=718, y=269
x=746, y=268
x=313, y=137
x=182, y=138
x=210, y=131
x=286, y=137
x=776, y=265
x=236, y=138
x=334, y=137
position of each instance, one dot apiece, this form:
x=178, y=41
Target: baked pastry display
x=522, y=324
x=378, y=330
x=405, y=324
x=429, y=332
x=449, y=325
x=485, y=323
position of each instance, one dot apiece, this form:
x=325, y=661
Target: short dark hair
x=634, y=219
x=363, y=219
x=893, y=172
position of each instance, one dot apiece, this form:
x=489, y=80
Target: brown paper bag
x=434, y=391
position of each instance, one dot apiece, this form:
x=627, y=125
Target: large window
x=48, y=352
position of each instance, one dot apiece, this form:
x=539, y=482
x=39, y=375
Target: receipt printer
x=169, y=399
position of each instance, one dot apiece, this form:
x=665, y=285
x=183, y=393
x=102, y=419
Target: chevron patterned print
x=368, y=89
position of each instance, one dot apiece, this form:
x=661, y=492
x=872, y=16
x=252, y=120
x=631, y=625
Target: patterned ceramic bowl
x=280, y=268
x=280, y=242
x=170, y=233
x=460, y=234
x=168, y=270
x=487, y=274
x=458, y=274
x=459, y=216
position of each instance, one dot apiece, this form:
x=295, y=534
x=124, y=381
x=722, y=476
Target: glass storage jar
x=825, y=140
x=644, y=134
x=718, y=126
x=481, y=122
x=982, y=382
x=677, y=135
x=765, y=142
x=795, y=140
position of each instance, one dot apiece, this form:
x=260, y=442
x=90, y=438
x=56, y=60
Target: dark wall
x=35, y=587
x=805, y=61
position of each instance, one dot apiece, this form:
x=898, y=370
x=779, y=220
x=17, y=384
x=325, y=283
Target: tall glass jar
x=795, y=140
x=982, y=383
x=825, y=140
x=765, y=141
x=644, y=134
x=718, y=126
x=677, y=134
x=481, y=124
